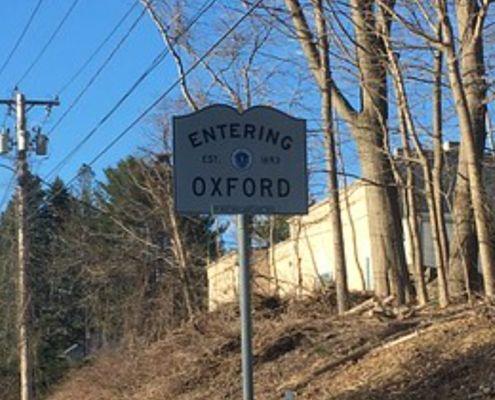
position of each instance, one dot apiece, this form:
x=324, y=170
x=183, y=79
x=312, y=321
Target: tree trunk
x=333, y=186
x=297, y=253
x=438, y=157
x=190, y=300
x=350, y=217
x=412, y=217
x=384, y=217
x=273, y=265
x=408, y=126
x=371, y=132
x=443, y=290
x=464, y=246
x=465, y=112
x=414, y=234
x=369, y=128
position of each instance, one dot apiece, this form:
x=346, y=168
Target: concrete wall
x=222, y=281
x=223, y=278
x=312, y=238
x=303, y=263
x=425, y=238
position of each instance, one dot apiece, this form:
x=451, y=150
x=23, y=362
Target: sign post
x=226, y=162
x=245, y=307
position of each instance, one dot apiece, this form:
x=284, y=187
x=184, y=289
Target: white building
x=304, y=262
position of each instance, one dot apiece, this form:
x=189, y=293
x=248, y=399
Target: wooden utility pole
x=20, y=104
x=23, y=296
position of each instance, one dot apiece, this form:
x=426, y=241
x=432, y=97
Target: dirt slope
x=303, y=347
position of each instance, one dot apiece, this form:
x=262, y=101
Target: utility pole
x=21, y=106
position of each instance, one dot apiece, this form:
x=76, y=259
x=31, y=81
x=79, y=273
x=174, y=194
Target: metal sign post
x=245, y=306
x=226, y=162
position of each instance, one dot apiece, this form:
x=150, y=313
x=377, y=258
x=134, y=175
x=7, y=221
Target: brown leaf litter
x=386, y=353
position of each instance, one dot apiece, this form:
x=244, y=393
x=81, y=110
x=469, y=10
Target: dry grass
x=303, y=346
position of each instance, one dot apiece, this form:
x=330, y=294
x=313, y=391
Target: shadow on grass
x=457, y=379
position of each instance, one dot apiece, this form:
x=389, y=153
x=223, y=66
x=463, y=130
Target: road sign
x=226, y=162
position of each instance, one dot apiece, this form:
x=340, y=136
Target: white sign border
x=175, y=118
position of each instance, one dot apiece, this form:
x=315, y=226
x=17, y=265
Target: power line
x=97, y=49
x=154, y=64
x=92, y=56
x=98, y=71
x=160, y=98
x=21, y=37
x=48, y=43
x=173, y=86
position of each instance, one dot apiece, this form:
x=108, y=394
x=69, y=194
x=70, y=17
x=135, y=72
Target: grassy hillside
x=304, y=347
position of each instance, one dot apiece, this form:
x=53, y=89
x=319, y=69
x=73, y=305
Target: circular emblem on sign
x=241, y=159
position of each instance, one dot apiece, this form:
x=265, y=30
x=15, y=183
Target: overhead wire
x=92, y=56
x=97, y=50
x=174, y=85
x=161, y=97
x=73, y=77
x=21, y=36
x=154, y=64
x=48, y=43
x=81, y=69
x=97, y=73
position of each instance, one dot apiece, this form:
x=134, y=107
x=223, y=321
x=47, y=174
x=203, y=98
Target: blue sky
x=90, y=22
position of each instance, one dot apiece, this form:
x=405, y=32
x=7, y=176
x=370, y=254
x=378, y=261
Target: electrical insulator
x=41, y=143
x=4, y=141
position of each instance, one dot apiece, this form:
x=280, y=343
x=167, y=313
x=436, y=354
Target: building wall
x=223, y=278
x=304, y=262
x=425, y=239
x=312, y=239
x=222, y=281
x=356, y=232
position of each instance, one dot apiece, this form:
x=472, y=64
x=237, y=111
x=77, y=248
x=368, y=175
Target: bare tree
x=324, y=83
x=471, y=114
x=408, y=126
x=411, y=213
x=438, y=157
x=467, y=74
x=369, y=126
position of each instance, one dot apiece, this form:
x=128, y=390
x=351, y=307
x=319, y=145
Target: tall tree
x=369, y=128
x=468, y=78
x=56, y=282
x=408, y=130
x=467, y=82
x=324, y=83
x=138, y=196
x=8, y=333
